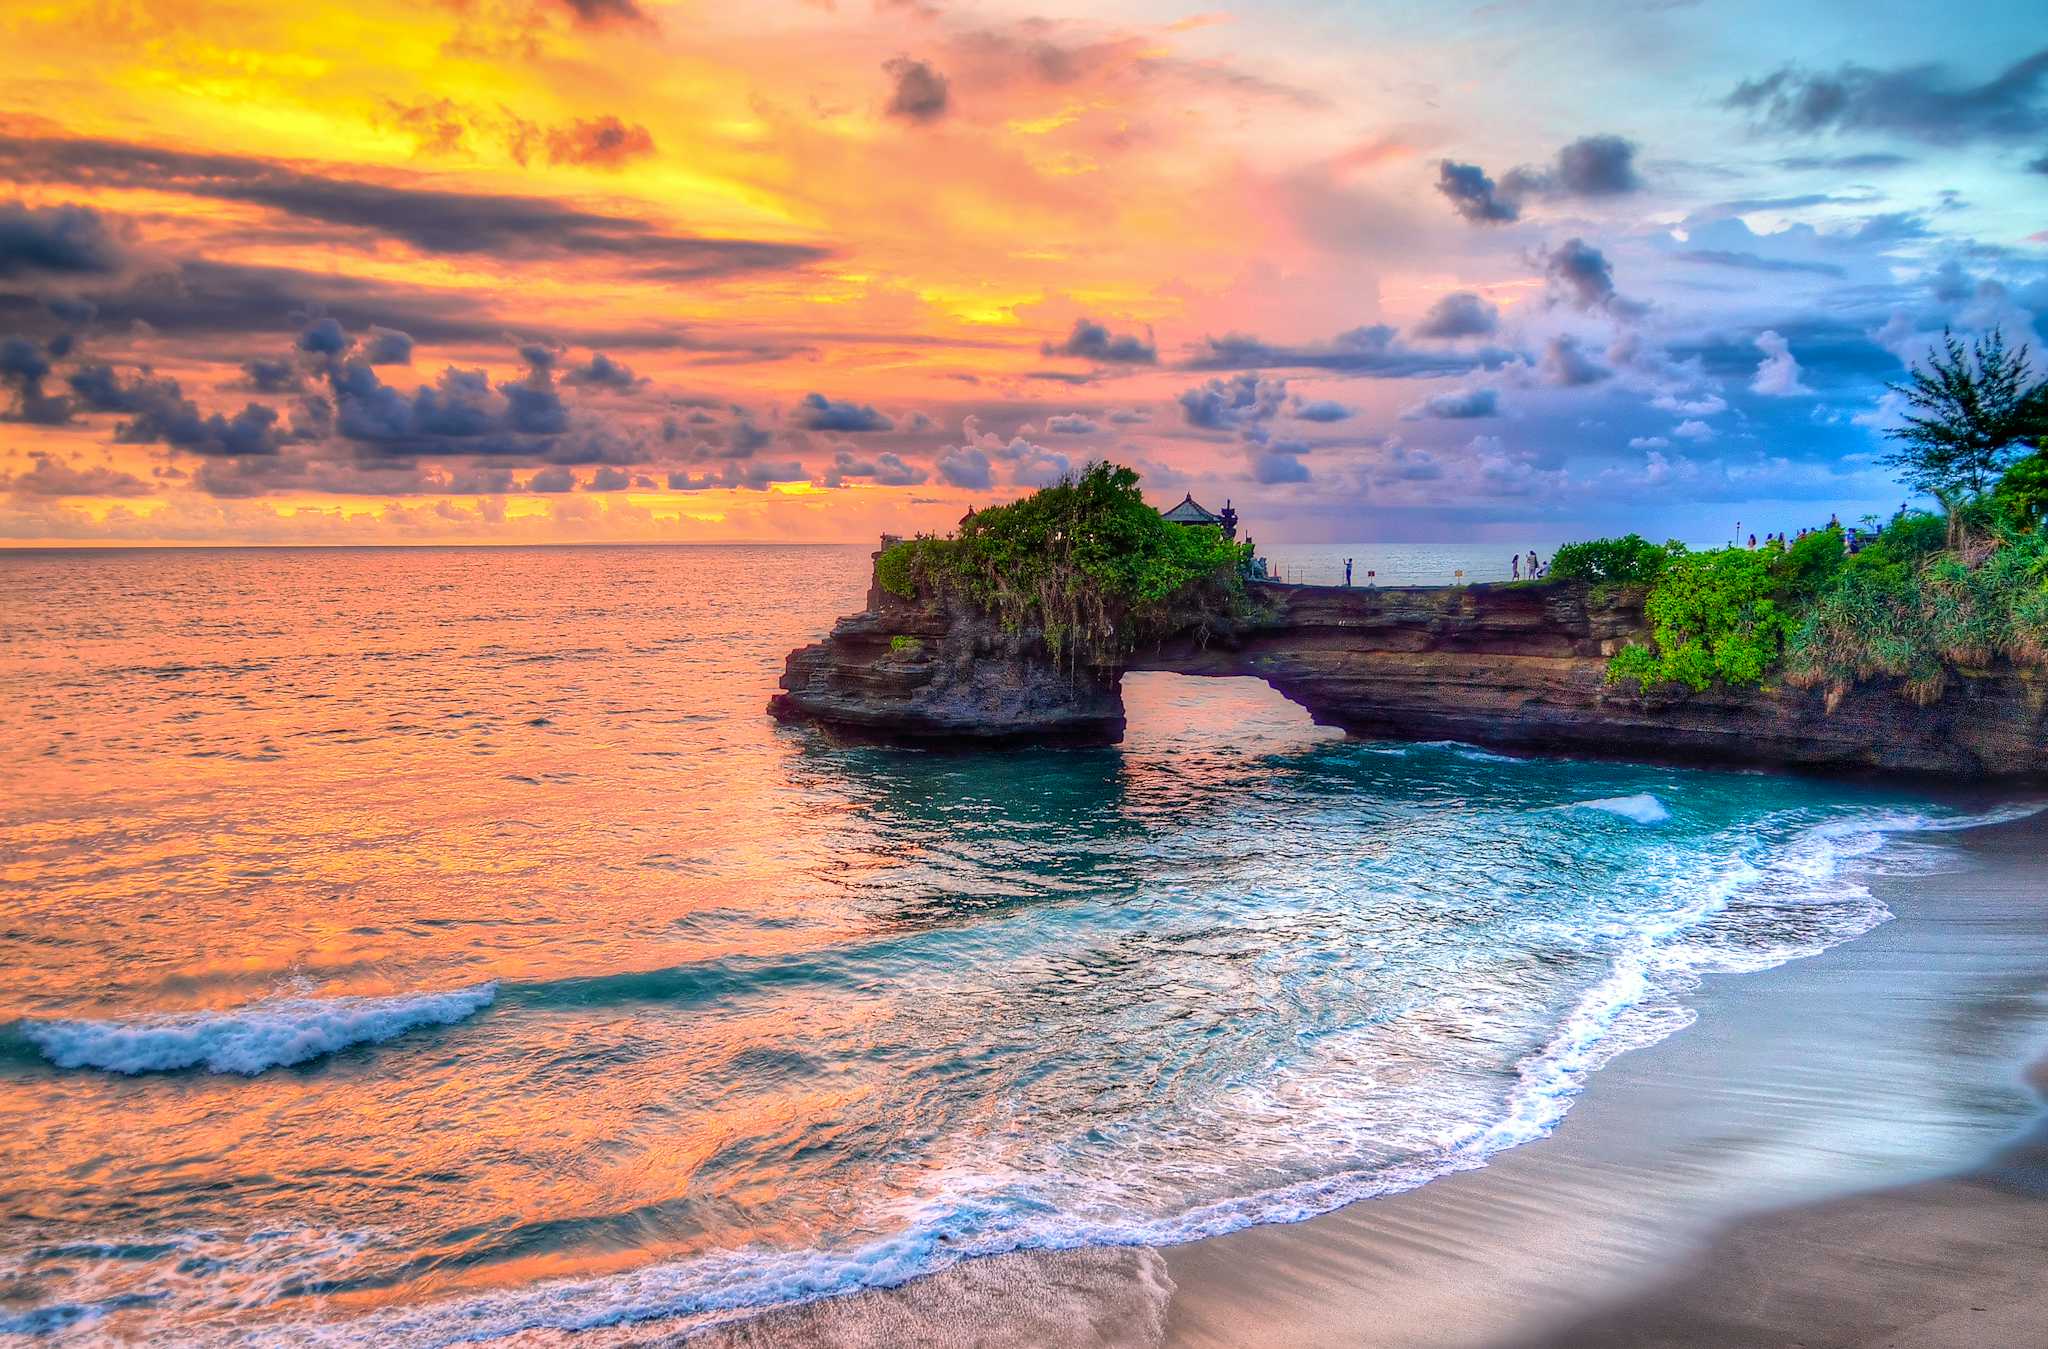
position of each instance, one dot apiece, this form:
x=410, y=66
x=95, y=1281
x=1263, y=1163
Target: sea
x=436, y=946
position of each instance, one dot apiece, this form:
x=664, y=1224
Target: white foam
x=249, y=1039
x=1643, y=808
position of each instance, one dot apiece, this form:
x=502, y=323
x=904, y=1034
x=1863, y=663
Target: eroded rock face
x=1510, y=667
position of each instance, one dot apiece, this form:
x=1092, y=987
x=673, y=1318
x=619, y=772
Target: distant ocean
x=431, y=947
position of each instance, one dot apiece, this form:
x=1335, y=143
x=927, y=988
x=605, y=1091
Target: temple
x=1192, y=512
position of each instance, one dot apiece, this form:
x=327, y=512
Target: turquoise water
x=438, y=947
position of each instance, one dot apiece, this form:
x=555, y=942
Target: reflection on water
x=767, y=1017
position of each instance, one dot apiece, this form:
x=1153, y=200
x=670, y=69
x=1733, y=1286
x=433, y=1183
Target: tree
x=1969, y=409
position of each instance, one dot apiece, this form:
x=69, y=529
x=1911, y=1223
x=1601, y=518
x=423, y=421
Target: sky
x=532, y=271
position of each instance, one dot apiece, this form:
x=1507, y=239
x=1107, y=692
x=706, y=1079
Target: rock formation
x=1509, y=667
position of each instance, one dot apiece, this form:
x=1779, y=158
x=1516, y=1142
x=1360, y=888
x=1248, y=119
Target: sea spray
x=247, y=1040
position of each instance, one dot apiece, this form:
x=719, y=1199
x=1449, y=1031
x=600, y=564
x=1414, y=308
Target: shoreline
x=1892, y=1059
x=1891, y=1062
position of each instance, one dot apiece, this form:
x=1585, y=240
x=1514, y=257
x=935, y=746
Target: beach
x=1831, y=1155
x=1846, y=1150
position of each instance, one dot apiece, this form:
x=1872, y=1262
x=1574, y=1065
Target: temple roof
x=1190, y=512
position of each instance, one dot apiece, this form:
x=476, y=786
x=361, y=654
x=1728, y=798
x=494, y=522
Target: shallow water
x=443, y=945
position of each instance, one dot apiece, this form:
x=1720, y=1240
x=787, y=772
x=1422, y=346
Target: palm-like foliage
x=1971, y=408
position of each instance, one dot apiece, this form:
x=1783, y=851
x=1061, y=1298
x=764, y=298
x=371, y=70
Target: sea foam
x=1643, y=808
x=248, y=1040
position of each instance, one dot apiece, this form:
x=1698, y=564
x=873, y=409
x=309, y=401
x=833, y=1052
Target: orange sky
x=898, y=211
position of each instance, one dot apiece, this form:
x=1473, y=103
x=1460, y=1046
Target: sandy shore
x=1805, y=1165
x=1743, y=1182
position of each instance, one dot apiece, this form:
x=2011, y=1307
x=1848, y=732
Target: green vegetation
x=1631, y=560
x=1929, y=595
x=1086, y=562
x=900, y=645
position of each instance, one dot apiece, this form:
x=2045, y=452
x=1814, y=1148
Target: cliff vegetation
x=1086, y=562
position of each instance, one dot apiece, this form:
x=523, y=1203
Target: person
x=1515, y=567
x=1347, y=567
x=1532, y=564
x=1834, y=520
x=1752, y=542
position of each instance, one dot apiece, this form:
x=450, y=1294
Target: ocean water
x=442, y=947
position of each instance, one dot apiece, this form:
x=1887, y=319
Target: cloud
x=1070, y=424
x=1693, y=430
x=555, y=479
x=604, y=13
x=885, y=470
x=1227, y=404
x=1592, y=166
x=1460, y=405
x=1458, y=314
x=1474, y=195
x=1094, y=342
x=1372, y=350
x=1277, y=464
x=1923, y=102
x=431, y=220
x=919, y=92
x=159, y=413
x=608, y=479
x=1566, y=365
x=601, y=372
x=1777, y=374
x=57, y=240
x=819, y=413
x=599, y=142
x=1319, y=410
x=23, y=367
x=387, y=346
x=1580, y=274
x=1752, y=262
x=53, y=477
x=966, y=467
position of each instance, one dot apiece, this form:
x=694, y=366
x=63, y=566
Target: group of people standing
x=1534, y=570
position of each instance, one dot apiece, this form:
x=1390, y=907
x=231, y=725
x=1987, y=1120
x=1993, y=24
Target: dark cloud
x=744, y=438
x=966, y=467
x=158, y=413
x=1093, y=341
x=324, y=337
x=24, y=365
x=1752, y=262
x=53, y=477
x=609, y=479
x=271, y=377
x=387, y=346
x=1920, y=101
x=1566, y=365
x=58, y=240
x=1458, y=314
x=1228, y=404
x=1462, y=405
x=1319, y=410
x=1474, y=195
x=1592, y=166
x=2038, y=165
x=604, y=13
x=1845, y=163
x=1277, y=464
x=552, y=480
x=1375, y=350
x=599, y=142
x=819, y=413
x=919, y=92
x=1581, y=276
x=602, y=372
x=1071, y=424
x=428, y=219
x=757, y=475
x=885, y=470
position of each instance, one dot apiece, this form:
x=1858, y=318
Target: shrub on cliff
x=1086, y=562
x=1717, y=615
x=1630, y=560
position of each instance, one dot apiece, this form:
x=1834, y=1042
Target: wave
x=248, y=1040
x=1795, y=900
x=1643, y=807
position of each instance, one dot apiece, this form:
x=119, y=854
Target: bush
x=901, y=645
x=1713, y=616
x=2022, y=494
x=1086, y=562
x=1631, y=560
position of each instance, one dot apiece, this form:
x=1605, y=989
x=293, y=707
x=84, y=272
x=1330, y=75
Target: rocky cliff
x=1511, y=667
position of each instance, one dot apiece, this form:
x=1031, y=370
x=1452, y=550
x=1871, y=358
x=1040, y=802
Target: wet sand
x=1744, y=1182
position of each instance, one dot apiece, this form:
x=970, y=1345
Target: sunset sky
x=573, y=270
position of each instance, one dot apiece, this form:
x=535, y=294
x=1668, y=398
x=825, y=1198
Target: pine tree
x=1971, y=409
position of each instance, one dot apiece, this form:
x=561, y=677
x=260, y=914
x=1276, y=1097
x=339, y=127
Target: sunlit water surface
x=435, y=946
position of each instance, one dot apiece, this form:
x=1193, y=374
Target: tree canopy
x=1970, y=410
